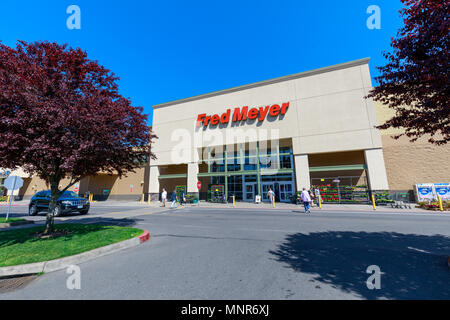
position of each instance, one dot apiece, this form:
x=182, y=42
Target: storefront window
x=217, y=166
x=217, y=180
x=235, y=186
x=246, y=187
x=278, y=177
x=286, y=162
x=250, y=163
x=286, y=150
x=234, y=164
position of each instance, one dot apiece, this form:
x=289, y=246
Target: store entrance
x=245, y=187
x=250, y=192
x=265, y=189
x=283, y=191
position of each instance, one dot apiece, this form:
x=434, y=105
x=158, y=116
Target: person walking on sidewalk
x=174, y=199
x=312, y=196
x=164, y=197
x=182, y=197
x=270, y=195
x=306, y=198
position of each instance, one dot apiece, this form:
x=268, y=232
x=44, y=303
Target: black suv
x=68, y=202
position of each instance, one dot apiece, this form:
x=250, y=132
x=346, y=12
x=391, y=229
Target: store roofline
x=268, y=82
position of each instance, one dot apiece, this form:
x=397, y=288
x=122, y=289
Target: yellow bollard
x=440, y=203
x=273, y=200
x=373, y=203
x=149, y=199
x=234, y=201
x=9, y=198
x=320, y=202
x=143, y=198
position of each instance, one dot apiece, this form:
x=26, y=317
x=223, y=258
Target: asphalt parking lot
x=210, y=253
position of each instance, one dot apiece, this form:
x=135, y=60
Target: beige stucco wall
x=327, y=113
x=408, y=163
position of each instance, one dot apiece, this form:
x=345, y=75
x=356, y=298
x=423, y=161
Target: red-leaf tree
x=415, y=80
x=61, y=116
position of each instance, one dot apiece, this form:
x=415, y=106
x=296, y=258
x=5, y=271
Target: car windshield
x=69, y=194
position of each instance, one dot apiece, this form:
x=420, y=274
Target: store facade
x=309, y=130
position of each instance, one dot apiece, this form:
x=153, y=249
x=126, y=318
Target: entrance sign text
x=242, y=115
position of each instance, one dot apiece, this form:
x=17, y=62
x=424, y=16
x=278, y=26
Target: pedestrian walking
x=174, y=199
x=182, y=197
x=306, y=198
x=164, y=197
x=270, y=195
x=312, y=196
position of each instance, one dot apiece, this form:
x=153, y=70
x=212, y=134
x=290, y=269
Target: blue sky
x=167, y=50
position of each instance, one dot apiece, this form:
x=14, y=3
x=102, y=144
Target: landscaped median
x=25, y=251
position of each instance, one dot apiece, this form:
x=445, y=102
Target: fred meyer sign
x=242, y=114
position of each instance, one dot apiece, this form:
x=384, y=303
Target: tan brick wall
x=95, y=184
x=35, y=184
x=410, y=163
x=117, y=186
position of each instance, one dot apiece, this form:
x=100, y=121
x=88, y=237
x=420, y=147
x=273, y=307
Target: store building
x=309, y=129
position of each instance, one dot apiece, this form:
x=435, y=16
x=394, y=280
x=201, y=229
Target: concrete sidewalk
x=289, y=206
x=262, y=206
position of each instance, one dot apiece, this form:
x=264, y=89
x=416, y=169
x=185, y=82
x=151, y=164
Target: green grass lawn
x=22, y=247
x=3, y=220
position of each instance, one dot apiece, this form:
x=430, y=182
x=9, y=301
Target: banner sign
x=425, y=191
x=443, y=190
x=430, y=191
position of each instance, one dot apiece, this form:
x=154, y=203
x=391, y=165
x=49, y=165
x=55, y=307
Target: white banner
x=430, y=191
x=443, y=190
x=425, y=192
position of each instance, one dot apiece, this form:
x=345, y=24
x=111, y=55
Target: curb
x=15, y=224
x=144, y=237
x=63, y=263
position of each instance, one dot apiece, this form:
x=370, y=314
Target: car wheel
x=32, y=211
x=84, y=212
x=57, y=211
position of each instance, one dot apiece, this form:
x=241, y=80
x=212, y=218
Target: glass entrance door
x=250, y=192
x=285, y=191
x=265, y=188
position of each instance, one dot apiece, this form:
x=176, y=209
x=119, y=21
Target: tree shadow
x=413, y=266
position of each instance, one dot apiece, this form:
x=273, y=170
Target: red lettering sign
x=242, y=114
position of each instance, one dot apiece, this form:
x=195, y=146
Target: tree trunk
x=55, y=194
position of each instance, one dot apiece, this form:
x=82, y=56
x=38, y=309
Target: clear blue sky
x=167, y=50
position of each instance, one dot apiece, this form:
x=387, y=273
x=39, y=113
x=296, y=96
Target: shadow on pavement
x=122, y=222
x=412, y=266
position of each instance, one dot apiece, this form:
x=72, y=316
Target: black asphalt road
x=199, y=253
